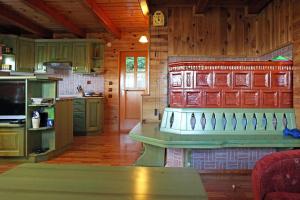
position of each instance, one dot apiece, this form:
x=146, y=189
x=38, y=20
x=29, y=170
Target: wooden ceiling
x=45, y=17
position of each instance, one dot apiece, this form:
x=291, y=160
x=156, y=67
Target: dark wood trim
x=56, y=15
x=103, y=18
x=23, y=22
x=255, y=6
x=201, y=6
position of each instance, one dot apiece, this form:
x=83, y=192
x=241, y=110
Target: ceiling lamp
x=143, y=39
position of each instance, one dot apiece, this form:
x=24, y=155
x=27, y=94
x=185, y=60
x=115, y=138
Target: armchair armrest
x=277, y=172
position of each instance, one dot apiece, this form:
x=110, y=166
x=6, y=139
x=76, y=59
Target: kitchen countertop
x=67, y=97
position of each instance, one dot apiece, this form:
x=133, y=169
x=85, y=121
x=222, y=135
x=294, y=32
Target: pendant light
x=143, y=39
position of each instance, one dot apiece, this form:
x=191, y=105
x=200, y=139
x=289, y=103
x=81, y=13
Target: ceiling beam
x=104, y=19
x=201, y=6
x=40, y=5
x=23, y=22
x=255, y=6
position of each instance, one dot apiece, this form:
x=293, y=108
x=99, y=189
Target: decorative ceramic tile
x=70, y=81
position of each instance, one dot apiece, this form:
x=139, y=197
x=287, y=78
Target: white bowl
x=36, y=100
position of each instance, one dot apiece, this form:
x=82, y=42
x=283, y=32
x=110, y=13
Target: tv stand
x=18, y=138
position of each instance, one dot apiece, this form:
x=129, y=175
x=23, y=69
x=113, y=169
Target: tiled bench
x=199, y=128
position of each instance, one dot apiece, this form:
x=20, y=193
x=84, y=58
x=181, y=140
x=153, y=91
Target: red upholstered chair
x=277, y=176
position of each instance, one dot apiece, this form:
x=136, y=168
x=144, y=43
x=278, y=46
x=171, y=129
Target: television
x=12, y=99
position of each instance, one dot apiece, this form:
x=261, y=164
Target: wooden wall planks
x=220, y=32
x=296, y=59
x=158, y=61
x=229, y=31
x=128, y=42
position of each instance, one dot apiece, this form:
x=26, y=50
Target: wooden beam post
x=255, y=6
x=56, y=15
x=104, y=19
x=201, y=6
x=23, y=22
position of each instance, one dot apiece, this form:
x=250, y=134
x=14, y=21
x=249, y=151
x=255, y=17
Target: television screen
x=12, y=99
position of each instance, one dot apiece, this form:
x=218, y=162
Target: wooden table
x=80, y=182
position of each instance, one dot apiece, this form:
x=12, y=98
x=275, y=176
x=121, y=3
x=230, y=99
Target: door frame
x=122, y=79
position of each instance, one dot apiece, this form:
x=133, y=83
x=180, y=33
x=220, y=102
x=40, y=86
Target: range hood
x=65, y=65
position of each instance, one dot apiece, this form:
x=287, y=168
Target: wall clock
x=158, y=18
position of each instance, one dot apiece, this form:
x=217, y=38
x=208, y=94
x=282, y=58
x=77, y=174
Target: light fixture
x=144, y=7
x=108, y=44
x=143, y=39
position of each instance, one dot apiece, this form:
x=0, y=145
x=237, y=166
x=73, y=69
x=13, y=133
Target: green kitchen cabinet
x=66, y=51
x=10, y=41
x=41, y=56
x=25, y=57
x=53, y=51
x=97, y=61
x=12, y=141
x=80, y=57
x=60, y=51
x=63, y=123
x=88, y=115
x=93, y=115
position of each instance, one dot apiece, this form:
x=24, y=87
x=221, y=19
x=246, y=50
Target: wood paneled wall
x=296, y=59
x=229, y=31
x=158, y=84
x=128, y=42
x=221, y=32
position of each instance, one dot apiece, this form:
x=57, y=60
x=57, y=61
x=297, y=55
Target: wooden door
x=133, y=83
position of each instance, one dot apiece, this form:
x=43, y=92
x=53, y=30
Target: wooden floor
x=117, y=149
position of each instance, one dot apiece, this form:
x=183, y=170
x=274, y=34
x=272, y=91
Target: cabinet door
x=53, y=51
x=12, y=141
x=41, y=56
x=25, y=56
x=97, y=64
x=101, y=114
x=63, y=123
x=69, y=121
x=80, y=56
x=66, y=51
x=92, y=114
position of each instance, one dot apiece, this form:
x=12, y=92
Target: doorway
x=133, y=83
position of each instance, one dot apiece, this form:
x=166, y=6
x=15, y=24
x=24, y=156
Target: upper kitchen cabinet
x=41, y=56
x=21, y=50
x=81, y=52
x=86, y=55
x=25, y=58
x=60, y=51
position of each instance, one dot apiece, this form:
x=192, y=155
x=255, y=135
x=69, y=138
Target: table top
x=58, y=181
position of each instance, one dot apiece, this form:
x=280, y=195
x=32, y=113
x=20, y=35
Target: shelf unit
x=43, y=137
x=42, y=105
x=40, y=129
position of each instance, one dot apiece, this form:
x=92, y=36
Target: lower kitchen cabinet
x=88, y=115
x=63, y=123
x=12, y=141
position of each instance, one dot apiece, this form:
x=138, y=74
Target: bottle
x=35, y=119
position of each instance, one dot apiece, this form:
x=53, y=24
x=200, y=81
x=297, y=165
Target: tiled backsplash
x=70, y=81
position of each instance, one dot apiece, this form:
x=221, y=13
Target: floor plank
x=117, y=149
